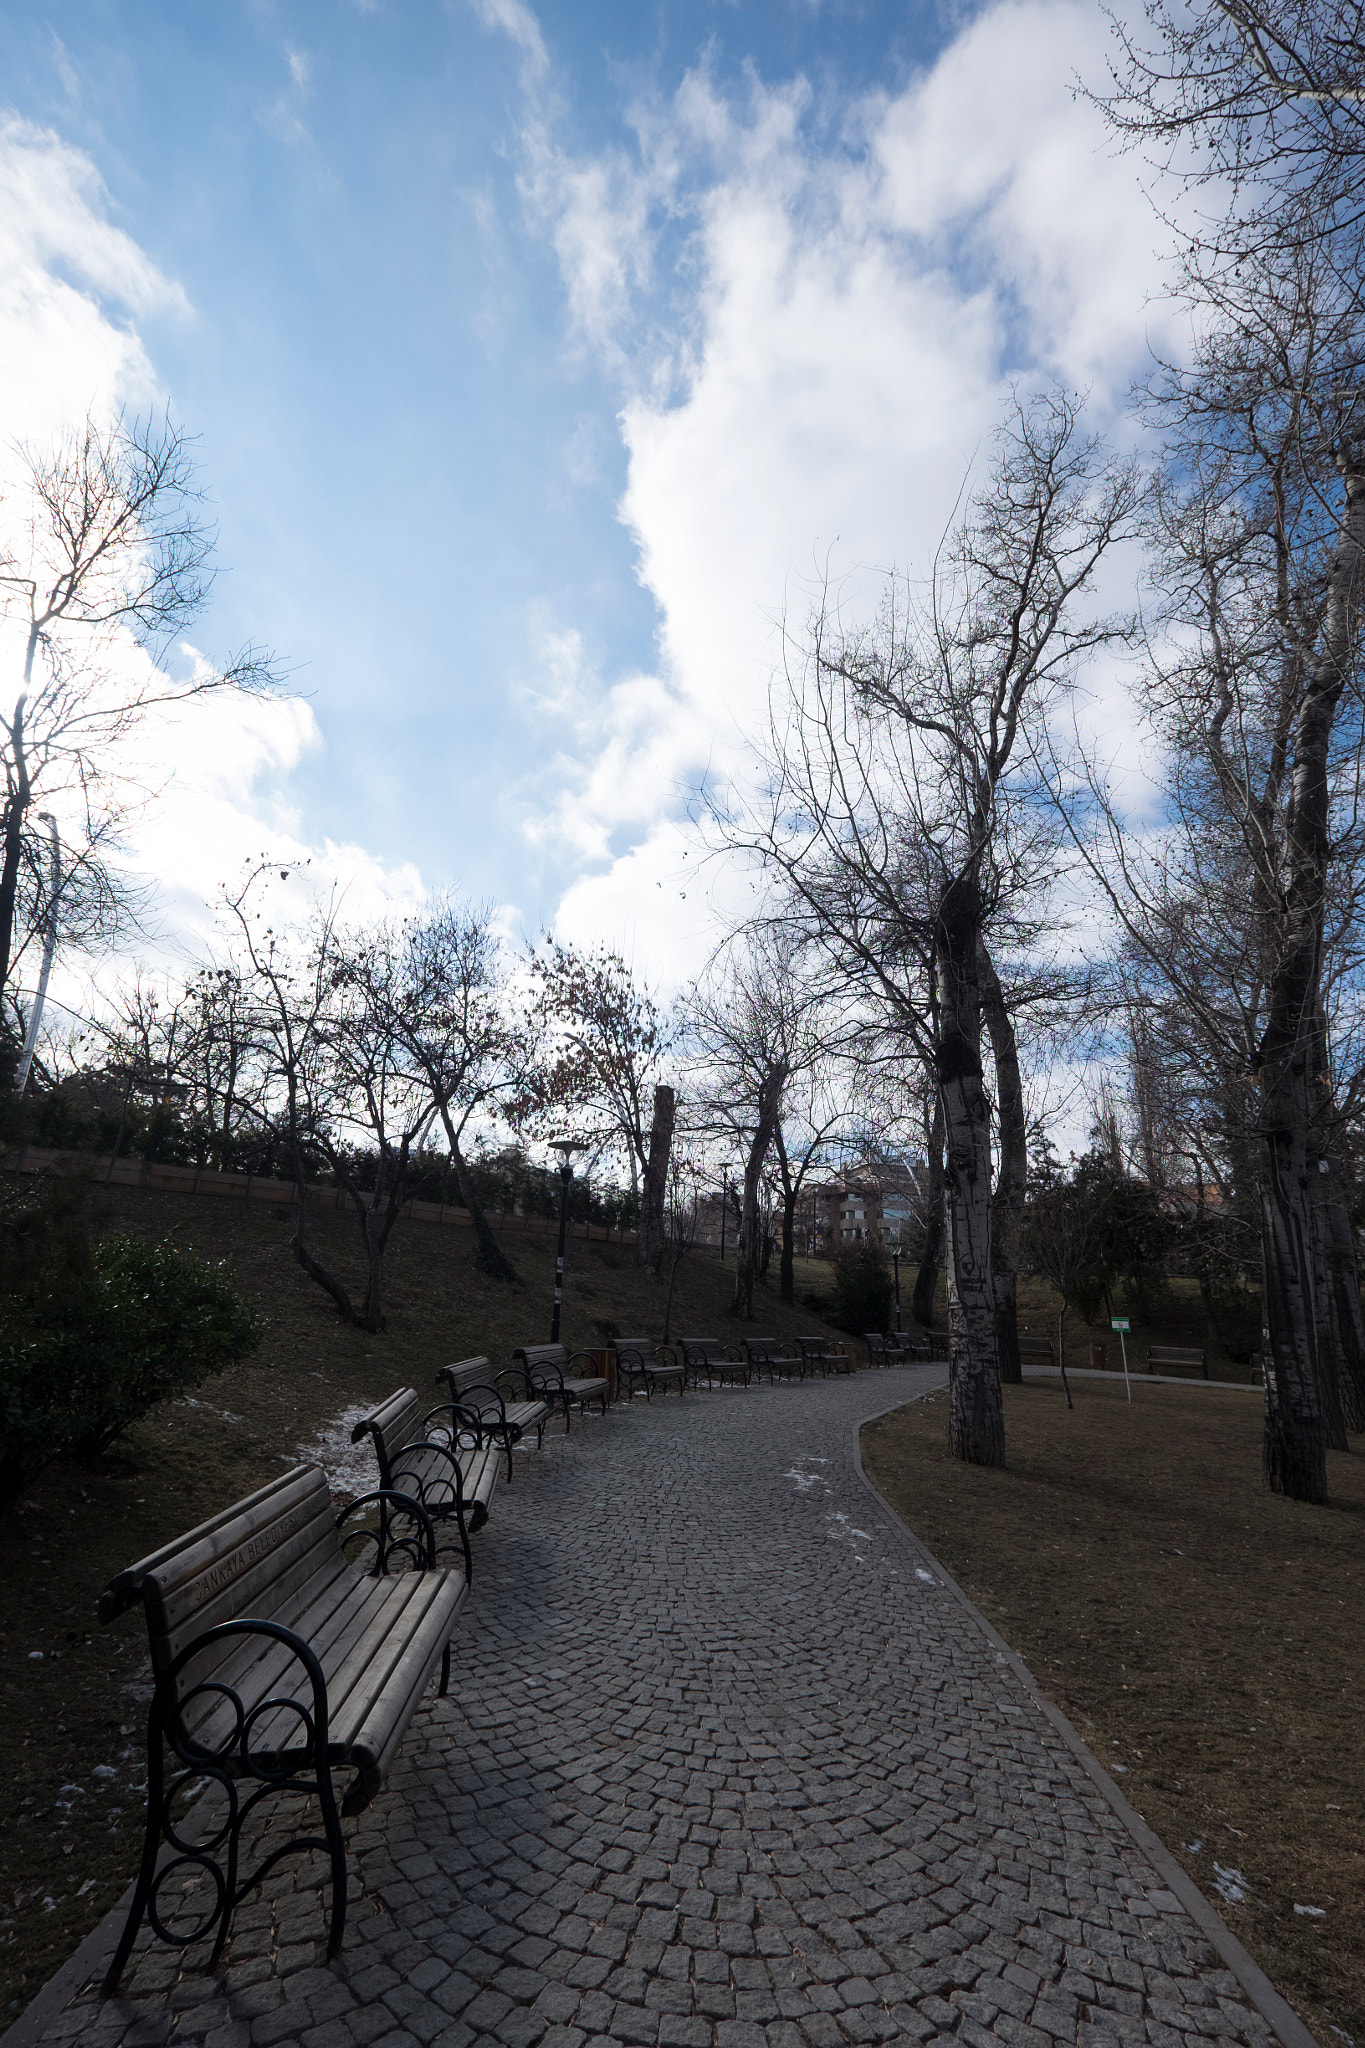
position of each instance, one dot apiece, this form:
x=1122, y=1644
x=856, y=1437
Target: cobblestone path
x=733, y=1770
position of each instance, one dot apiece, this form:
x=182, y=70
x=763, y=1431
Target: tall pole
x=724, y=1205
x=896, y=1269
x=565, y=1176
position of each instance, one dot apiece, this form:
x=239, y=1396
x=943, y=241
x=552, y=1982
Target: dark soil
x=72, y=1694
x=1204, y=1635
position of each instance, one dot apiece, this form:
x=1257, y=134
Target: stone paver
x=732, y=1770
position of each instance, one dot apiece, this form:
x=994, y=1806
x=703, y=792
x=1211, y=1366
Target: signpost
x=1122, y=1325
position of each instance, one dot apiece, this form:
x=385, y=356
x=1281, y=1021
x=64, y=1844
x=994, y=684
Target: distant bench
x=710, y=1356
x=504, y=1401
x=1036, y=1351
x=1176, y=1354
x=549, y=1370
x=441, y=1457
x=278, y=1663
x=641, y=1363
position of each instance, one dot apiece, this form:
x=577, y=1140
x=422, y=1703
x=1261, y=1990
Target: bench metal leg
x=211, y=1847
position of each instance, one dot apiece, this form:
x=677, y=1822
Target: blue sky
x=539, y=358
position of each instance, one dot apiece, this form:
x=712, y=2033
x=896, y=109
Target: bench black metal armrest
x=465, y=1421
x=533, y=1380
x=589, y=1359
x=391, y=1501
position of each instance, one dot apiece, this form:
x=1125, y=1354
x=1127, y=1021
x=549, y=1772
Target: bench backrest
x=1175, y=1354
x=760, y=1349
x=641, y=1348
x=249, y=1560
x=533, y=1355
x=392, y=1426
x=703, y=1350
x=480, y=1376
x=1035, y=1347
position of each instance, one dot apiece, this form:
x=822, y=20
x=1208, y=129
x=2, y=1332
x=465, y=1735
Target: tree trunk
x=1295, y=1434
x=12, y=846
x=1007, y=1203
x=747, y=1245
x=299, y=1247
x=650, y=1244
x=976, y=1423
x=1344, y=1281
x=931, y=1258
x=490, y=1258
x=791, y=1195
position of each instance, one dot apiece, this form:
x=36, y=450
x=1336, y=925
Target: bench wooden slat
x=305, y=1633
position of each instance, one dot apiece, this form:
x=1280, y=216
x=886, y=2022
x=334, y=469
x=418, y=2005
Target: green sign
x=1119, y=1323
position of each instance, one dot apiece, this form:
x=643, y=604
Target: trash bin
x=1099, y=1355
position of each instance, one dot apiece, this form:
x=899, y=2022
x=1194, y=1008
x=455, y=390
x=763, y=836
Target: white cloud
x=70, y=284
x=216, y=769
x=851, y=304
x=516, y=20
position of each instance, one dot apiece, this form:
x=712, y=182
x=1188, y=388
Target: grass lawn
x=73, y=1715
x=1203, y=1635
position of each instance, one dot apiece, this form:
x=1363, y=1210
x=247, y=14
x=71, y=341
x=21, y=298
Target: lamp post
x=896, y=1269
x=565, y=1147
x=724, y=1205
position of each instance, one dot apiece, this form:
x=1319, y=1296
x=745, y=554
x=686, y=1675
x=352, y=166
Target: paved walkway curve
x=738, y=1773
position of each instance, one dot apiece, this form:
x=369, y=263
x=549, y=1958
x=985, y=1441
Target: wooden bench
x=641, y=1363
x=765, y=1354
x=1177, y=1354
x=893, y=1347
x=440, y=1457
x=548, y=1368
x=816, y=1353
x=474, y=1386
x=708, y=1355
x=1036, y=1351
x=278, y=1664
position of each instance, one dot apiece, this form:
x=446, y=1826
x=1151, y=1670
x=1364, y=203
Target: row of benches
x=1039, y=1351
x=290, y=1646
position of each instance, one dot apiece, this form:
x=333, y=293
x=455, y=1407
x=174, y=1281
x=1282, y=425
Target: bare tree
x=1257, y=549
x=338, y=1089
x=900, y=818
x=105, y=561
x=442, y=985
x=606, y=1043
x=754, y=1024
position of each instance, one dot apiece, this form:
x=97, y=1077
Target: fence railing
x=162, y=1178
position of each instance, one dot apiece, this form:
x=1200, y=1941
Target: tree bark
x=1295, y=1433
x=490, y=1258
x=747, y=1245
x=791, y=1195
x=976, y=1423
x=12, y=847
x=650, y=1243
x=1007, y=1203
x=931, y=1259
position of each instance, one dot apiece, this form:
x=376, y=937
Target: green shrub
x=92, y=1337
x=863, y=1289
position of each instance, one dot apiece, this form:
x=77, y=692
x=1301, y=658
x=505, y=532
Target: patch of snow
x=927, y=1577
x=351, y=1469
x=1229, y=1884
x=802, y=1479
x=1191, y=1848
x=1312, y=1912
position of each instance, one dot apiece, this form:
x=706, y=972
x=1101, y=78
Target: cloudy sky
x=541, y=359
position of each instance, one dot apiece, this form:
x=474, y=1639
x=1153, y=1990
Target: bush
x=863, y=1289
x=93, y=1337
